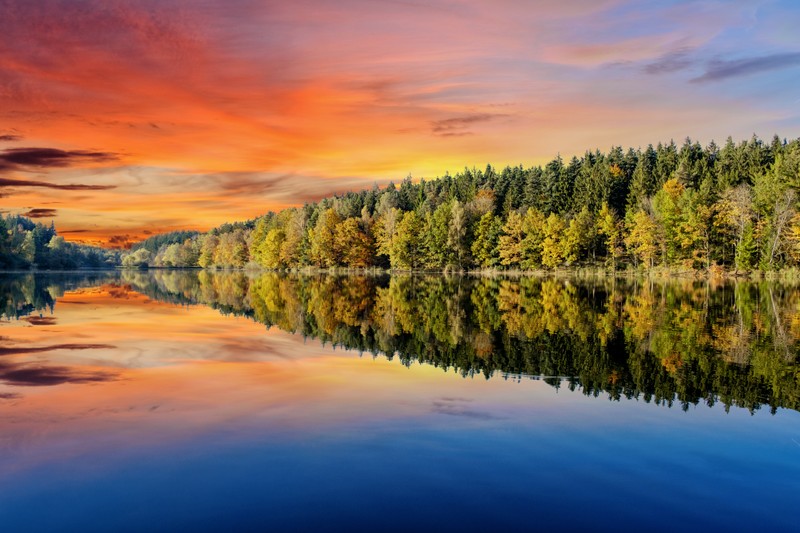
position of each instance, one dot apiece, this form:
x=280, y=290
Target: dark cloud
x=458, y=126
x=121, y=241
x=50, y=157
x=671, y=62
x=721, y=70
x=41, y=320
x=123, y=291
x=42, y=375
x=10, y=396
x=23, y=350
x=10, y=137
x=37, y=374
x=73, y=231
x=40, y=213
x=6, y=182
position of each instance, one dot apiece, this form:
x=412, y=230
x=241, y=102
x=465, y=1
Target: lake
x=200, y=401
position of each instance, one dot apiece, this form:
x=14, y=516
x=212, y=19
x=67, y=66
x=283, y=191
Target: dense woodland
x=729, y=208
x=677, y=342
x=733, y=207
x=25, y=244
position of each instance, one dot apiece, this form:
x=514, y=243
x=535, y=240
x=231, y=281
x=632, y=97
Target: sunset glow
x=121, y=119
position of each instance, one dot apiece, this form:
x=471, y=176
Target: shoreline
x=658, y=273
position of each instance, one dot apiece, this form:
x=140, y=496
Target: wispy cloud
x=718, y=70
x=460, y=407
x=458, y=126
x=50, y=157
x=8, y=182
x=41, y=320
x=47, y=375
x=40, y=212
x=19, y=350
x=671, y=62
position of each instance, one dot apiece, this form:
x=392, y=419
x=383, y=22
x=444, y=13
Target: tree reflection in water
x=677, y=342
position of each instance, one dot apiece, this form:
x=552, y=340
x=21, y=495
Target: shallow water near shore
x=170, y=400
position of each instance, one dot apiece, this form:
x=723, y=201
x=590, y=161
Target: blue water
x=172, y=418
x=628, y=465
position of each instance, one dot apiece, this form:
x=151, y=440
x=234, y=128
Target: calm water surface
x=186, y=401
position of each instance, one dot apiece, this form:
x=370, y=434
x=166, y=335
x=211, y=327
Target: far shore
x=788, y=274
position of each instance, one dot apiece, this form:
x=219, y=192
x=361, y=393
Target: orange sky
x=122, y=119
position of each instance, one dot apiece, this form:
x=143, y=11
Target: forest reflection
x=675, y=343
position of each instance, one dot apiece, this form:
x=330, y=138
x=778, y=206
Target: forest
x=25, y=244
x=731, y=208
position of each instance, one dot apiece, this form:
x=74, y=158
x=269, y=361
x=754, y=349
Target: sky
x=121, y=119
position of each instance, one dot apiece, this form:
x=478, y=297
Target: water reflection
x=688, y=342
x=685, y=342
x=122, y=389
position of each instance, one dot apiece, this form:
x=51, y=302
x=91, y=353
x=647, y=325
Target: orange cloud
x=217, y=111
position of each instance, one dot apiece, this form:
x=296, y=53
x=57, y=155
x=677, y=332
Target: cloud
x=10, y=137
x=41, y=320
x=458, y=126
x=40, y=213
x=50, y=157
x=292, y=187
x=73, y=231
x=42, y=375
x=36, y=374
x=22, y=350
x=121, y=241
x=6, y=182
x=457, y=407
x=721, y=70
x=671, y=62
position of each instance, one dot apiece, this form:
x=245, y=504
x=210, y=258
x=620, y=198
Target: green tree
x=485, y=244
x=509, y=247
x=533, y=225
x=553, y=243
x=28, y=249
x=610, y=228
x=207, y=250
x=407, y=250
x=670, y=216
x=457, y=234
x=356, y=248
x=324, y=251
x=579, y=236
x=269, y=251
x=643, y=238
x=438, y=253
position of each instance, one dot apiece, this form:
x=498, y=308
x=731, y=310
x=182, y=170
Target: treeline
x=734, y=207
x=26, y=244
x=162, y=240
x=684, y=343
